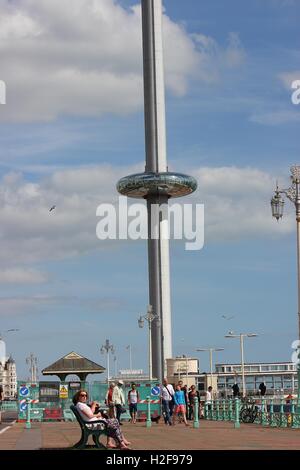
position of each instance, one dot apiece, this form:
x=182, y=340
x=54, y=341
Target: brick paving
x=211, y=435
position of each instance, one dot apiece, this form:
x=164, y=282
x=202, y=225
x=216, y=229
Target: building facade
x=8, y=373
x=183, y=368
x=279, y=377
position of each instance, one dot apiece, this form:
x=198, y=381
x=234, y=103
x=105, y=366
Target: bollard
x=28, y=422
x=148, y=422
x=237, y=414
x=196, y=414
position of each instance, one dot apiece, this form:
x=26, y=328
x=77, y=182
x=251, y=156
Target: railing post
x=206, y=415
x=213, y=410
x=283, y=420
x=218, y=409
x=196, y=409
x=237, y=414
x=272, y=420
x=264, y=421
x=230, y=409
x=294, y=415
x=28, y=422
x=148, y=422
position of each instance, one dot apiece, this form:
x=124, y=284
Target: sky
x=73, y=125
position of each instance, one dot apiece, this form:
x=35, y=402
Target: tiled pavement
x=211, y=435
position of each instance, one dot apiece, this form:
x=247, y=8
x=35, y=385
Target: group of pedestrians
x=178, y=403
x=115, y=400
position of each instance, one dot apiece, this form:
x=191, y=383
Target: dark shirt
x=192, y=395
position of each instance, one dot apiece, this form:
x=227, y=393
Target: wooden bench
x=86, y=431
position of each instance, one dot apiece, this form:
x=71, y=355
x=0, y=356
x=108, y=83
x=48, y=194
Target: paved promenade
x=211, y=436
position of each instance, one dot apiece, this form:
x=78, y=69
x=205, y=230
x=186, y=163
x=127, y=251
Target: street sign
x=23, y=406
x=24, y=391
x=155, y=391
x=63, y=391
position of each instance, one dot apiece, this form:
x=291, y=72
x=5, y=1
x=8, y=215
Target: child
x=180, y=406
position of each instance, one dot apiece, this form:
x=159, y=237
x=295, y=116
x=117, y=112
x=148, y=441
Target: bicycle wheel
x=246, y=416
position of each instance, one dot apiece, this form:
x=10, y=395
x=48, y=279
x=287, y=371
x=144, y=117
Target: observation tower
x=156, y=185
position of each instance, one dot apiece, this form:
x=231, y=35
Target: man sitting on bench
x=113, y=427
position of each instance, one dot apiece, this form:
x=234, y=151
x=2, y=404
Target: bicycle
x=249, y=411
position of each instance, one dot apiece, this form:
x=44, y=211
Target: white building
x=8, y=374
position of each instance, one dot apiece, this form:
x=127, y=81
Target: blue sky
x=73, y=125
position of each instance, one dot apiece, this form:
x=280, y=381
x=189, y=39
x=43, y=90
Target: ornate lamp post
x=241, y=336
x=150, y=317
x=277, y=204
x=106, y=348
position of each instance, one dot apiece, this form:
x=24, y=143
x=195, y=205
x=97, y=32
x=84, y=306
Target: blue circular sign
x=23, y=406
x=24, y=391
x=155, y=391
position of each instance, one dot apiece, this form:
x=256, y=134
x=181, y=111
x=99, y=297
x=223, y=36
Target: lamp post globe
x=277, y=205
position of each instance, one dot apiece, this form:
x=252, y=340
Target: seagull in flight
x=52, y=208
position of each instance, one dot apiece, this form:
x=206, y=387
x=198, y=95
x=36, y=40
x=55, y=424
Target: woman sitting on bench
x=88, y=414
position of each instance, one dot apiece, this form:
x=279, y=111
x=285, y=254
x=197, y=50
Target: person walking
x=208, y=397
x=133, y=398
x=119, y=399
x=192, y=394
x=167, y=394
x=109, y=400
x=180, y=405
x=236, y=390
x=262, y=388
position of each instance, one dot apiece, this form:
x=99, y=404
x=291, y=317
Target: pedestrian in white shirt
x=167, y=401
x=119, y=399
x=208, y=397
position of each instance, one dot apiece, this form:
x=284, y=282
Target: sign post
x=28, y=422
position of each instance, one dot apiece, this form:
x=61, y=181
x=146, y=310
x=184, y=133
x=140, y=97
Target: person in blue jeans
x=167, y=394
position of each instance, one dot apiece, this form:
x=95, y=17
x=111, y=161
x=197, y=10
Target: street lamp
x=106, y=348
x=241, y=336
x=277, y=204
x=210, y=360
x=150, y=316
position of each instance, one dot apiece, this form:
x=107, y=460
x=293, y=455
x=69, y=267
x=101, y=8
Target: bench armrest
x=95, y=422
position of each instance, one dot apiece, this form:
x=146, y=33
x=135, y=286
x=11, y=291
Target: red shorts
x=180, y=409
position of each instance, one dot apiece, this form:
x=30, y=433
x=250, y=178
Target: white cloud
x=287, y=78
x=81, y=58
x=276, y=117
x=237, y=206
x=21, y=275
x=215, y=59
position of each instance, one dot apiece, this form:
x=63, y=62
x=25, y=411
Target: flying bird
x=52, y=208
x=227, y=318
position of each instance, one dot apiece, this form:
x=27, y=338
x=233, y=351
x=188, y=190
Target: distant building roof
x=73, y=363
